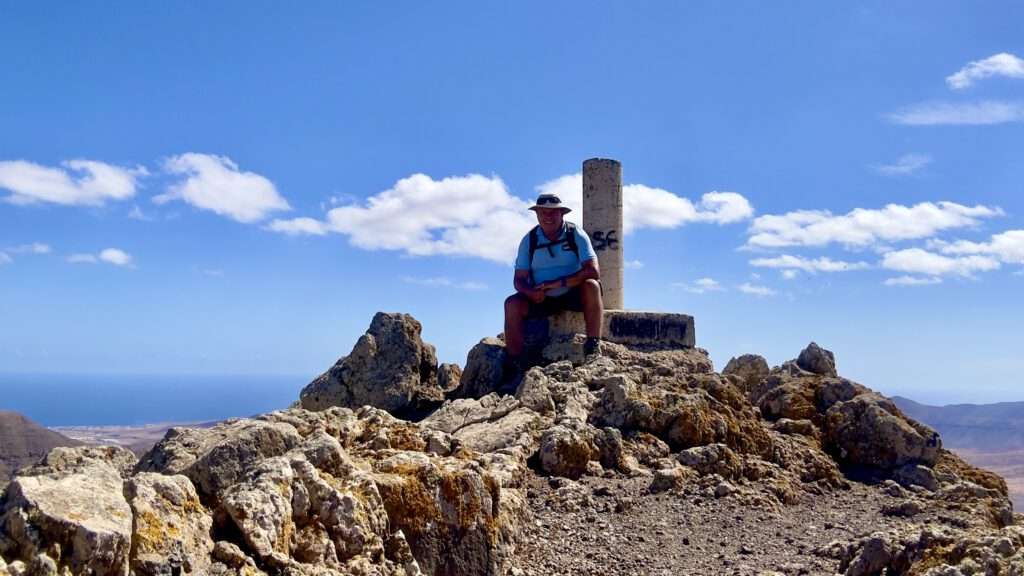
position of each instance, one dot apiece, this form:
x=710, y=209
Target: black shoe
x=592, y=347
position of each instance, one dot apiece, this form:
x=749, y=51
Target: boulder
x=457, y=517
x=748, y=370
x=712, y=459
x=74, y=500
x=489, y=424
x=870, y=431
x=390, y=368
x=565, y=450
x=485, y=369
x=171, y=528
x=817, y=360
x=214, y=459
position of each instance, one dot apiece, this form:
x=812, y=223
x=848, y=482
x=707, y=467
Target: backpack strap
x=570, y=238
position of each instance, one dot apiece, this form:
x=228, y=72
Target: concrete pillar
x=602, y=220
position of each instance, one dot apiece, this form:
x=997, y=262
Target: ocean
x=122, y=400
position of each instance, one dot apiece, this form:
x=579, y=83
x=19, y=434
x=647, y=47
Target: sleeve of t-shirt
x=523, y=258
x=584, y=245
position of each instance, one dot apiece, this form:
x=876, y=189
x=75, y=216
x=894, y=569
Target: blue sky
x=236, y=188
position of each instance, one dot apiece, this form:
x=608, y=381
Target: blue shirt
x=556, y=262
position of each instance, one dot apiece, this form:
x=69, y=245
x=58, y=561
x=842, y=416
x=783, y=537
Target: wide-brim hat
x=549, y=200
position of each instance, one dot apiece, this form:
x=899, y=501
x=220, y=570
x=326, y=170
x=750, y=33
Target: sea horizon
x=69, y=399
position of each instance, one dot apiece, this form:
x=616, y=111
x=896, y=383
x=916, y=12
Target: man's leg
x=593, y=307
x=516, y=308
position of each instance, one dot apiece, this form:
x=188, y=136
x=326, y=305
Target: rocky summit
x=633, y=462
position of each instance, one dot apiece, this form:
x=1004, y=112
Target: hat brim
x=564, y=209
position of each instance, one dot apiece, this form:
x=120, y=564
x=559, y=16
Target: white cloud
x=114, y=256
x=1007, y=246
x=863, y=227
x=960, y=113
x=913, y=281
x=918, y=261
x=790, y=274
x=700, y=286
x=5, y=259
x=822, y=264
x=216, y=184
x=443, y=282
x=136, y=213
x=298, y=226
x=477, y=216
x=905, y=165
x=33, y=248
x=1002, y=64
x=79, y=182
x=759, y=291
x=633, y=264
x=647, y=207
x=213, y=272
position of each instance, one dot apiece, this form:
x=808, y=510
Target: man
x=556, y=270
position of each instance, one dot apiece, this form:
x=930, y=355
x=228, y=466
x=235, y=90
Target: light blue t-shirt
x=555, y=261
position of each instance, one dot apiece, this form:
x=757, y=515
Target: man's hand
x=536, y=295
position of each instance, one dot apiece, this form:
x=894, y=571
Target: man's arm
x=590, y=270
x=521, y=281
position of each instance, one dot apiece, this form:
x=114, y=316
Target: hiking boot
x=592, y=348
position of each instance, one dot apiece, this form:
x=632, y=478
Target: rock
x=390, y=368
x=905, y=509
x=216, y=458
x=484, y=371
x=448, y=377
x=171, y=528
x=870, y=431
x=916, y=475
x=565, y=452
x=748, y=369
x=874, y=555
x=457, y=518
x=672, y=478
x=723, y=489
x=801, y=427
x=817, y=360
x=533, y=392
x=75, y=499
x=488, y=424
x=712, y=459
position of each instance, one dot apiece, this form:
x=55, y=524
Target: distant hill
x=23, y=442
x=982, y=427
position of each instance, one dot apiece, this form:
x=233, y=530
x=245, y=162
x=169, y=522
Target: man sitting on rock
x=556, y=269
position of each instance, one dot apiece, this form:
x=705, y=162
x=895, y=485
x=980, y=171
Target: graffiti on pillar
x=605, y=240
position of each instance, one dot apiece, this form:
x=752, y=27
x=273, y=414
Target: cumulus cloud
x=647, y=207
x=444, y=282
x=1002, y=64
x=960, y=113
x=477, y=216
x=299, y=226
x=5, y=259
x=33, y=248
x=75, y=182
x=863, y=227
x=215, y=183
x=919, y=261
x=753, y=290
x=913, y=281
x=700, y=286
x=906, y=165
x=633, y=264
x=812, y=266
x=114, y=256
x=1007, y=247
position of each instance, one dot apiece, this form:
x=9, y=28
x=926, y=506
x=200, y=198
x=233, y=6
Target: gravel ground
x=613, y=526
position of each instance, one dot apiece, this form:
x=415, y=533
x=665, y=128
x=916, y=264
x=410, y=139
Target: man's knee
x=516, y=305
x=591, y=288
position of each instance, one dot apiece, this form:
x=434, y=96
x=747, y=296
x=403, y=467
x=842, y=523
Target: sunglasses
x=548, y=200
